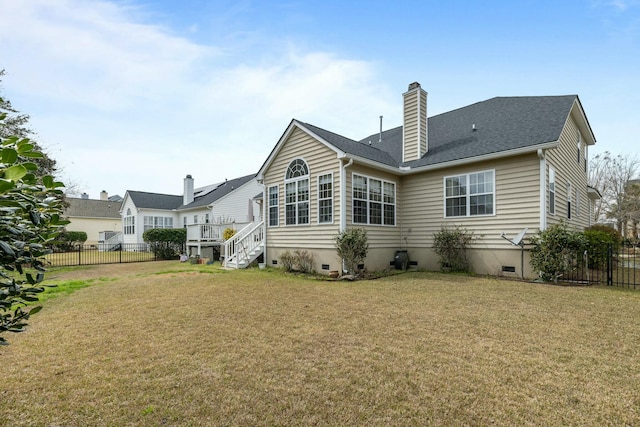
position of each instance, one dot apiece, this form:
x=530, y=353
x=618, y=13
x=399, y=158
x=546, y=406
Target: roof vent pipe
x=473, y=127
x=380, y=137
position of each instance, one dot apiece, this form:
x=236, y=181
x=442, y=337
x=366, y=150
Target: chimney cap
x=414, y=85
x=189, y=176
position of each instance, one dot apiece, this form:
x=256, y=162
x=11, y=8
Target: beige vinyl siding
x=564, y=159
x=379, y=236
x=516, y=195
x=321, y=160
x=410, y=136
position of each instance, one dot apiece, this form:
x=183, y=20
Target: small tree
x=352, y=246
x=228, y=233
x=451, y=244
x=30, y=212
x=552, y=250
x=166, y=243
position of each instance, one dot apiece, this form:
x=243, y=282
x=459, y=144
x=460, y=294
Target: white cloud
x=132, y=106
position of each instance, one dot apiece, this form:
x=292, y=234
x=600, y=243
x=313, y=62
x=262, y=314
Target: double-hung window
x=374, y=201
x=325, y=199
x=471, y=194
x=129, y=223
x=296, y=201
x=274, y=211
x=157, y=222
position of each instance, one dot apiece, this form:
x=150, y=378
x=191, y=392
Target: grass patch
x=259, y=347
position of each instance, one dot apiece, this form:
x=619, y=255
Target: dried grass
x=262, y=348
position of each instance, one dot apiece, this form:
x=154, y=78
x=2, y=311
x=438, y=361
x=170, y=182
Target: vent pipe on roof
x=380, y=137
x=84, y=196
x=104, y=195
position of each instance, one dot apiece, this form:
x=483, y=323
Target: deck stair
x=245, y=246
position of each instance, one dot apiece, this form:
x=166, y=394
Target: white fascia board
x=372, y=164
x=583, y=123
x=492, y=156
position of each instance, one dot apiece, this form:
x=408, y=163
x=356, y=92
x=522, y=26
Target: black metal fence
x=101, y=254
x=609, y=266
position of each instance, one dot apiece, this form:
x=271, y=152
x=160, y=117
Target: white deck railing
x=204, y=232
x=244, y=246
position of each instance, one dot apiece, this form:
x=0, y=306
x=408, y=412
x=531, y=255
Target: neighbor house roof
x=217, y=193
x=87, y=208
x=145, y=200
x=206, y=196
x=486, y=128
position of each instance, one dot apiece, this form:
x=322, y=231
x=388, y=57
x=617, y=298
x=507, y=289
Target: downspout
x=543, y=192
x=343, y=194
x=343, y=200
x=265, y=202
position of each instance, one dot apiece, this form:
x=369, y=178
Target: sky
x=136, y=94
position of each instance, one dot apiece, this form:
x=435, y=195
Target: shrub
x=228, y=233
x=303, y=261
x=451, y=244
x=287, y=261
x=598, y=239
x=352, y=246
x=553, y=250
x=68, y=239
x=166, y=243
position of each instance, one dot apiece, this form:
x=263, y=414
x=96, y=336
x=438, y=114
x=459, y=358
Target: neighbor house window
x=195, y=219
x=129, y=223
x=374, y=201
x=579, y=147
x=470, y=194
x=206, y=218
x=184, y=221
x=157, y=222
x=296, y=200
x=552, y=191
x=569, y=197
x=274, y=212
x=325, y=198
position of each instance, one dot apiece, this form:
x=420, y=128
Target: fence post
x=79, y=255
x=610, y=265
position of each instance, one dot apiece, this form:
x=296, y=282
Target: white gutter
x=343, y=194
x=543, y=192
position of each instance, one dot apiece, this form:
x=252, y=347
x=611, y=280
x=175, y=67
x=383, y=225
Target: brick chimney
x=104, y=195
x=414, y=131
x=187, y=196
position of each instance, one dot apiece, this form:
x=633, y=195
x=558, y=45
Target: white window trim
x=552, y=180
x=296, y=203
x=569, y=201
x=277, y=205
x=395, y=199
x=468, y=195
x=330, y=175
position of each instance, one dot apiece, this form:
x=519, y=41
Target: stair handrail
x=241, y=241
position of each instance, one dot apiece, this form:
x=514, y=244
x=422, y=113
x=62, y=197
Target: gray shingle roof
x=87, y=208
x=219, y=192
x=145, y=200
x=502, y=124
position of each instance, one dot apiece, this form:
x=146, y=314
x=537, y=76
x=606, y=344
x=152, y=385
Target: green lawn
x=163, y=343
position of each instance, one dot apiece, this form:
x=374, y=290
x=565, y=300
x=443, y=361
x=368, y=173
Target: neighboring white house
x=205, y=212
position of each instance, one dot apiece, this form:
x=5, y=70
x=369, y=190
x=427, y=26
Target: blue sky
x=136, y=94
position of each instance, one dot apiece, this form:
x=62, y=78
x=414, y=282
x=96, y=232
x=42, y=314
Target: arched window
x=297, y=193
x=297, y=168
